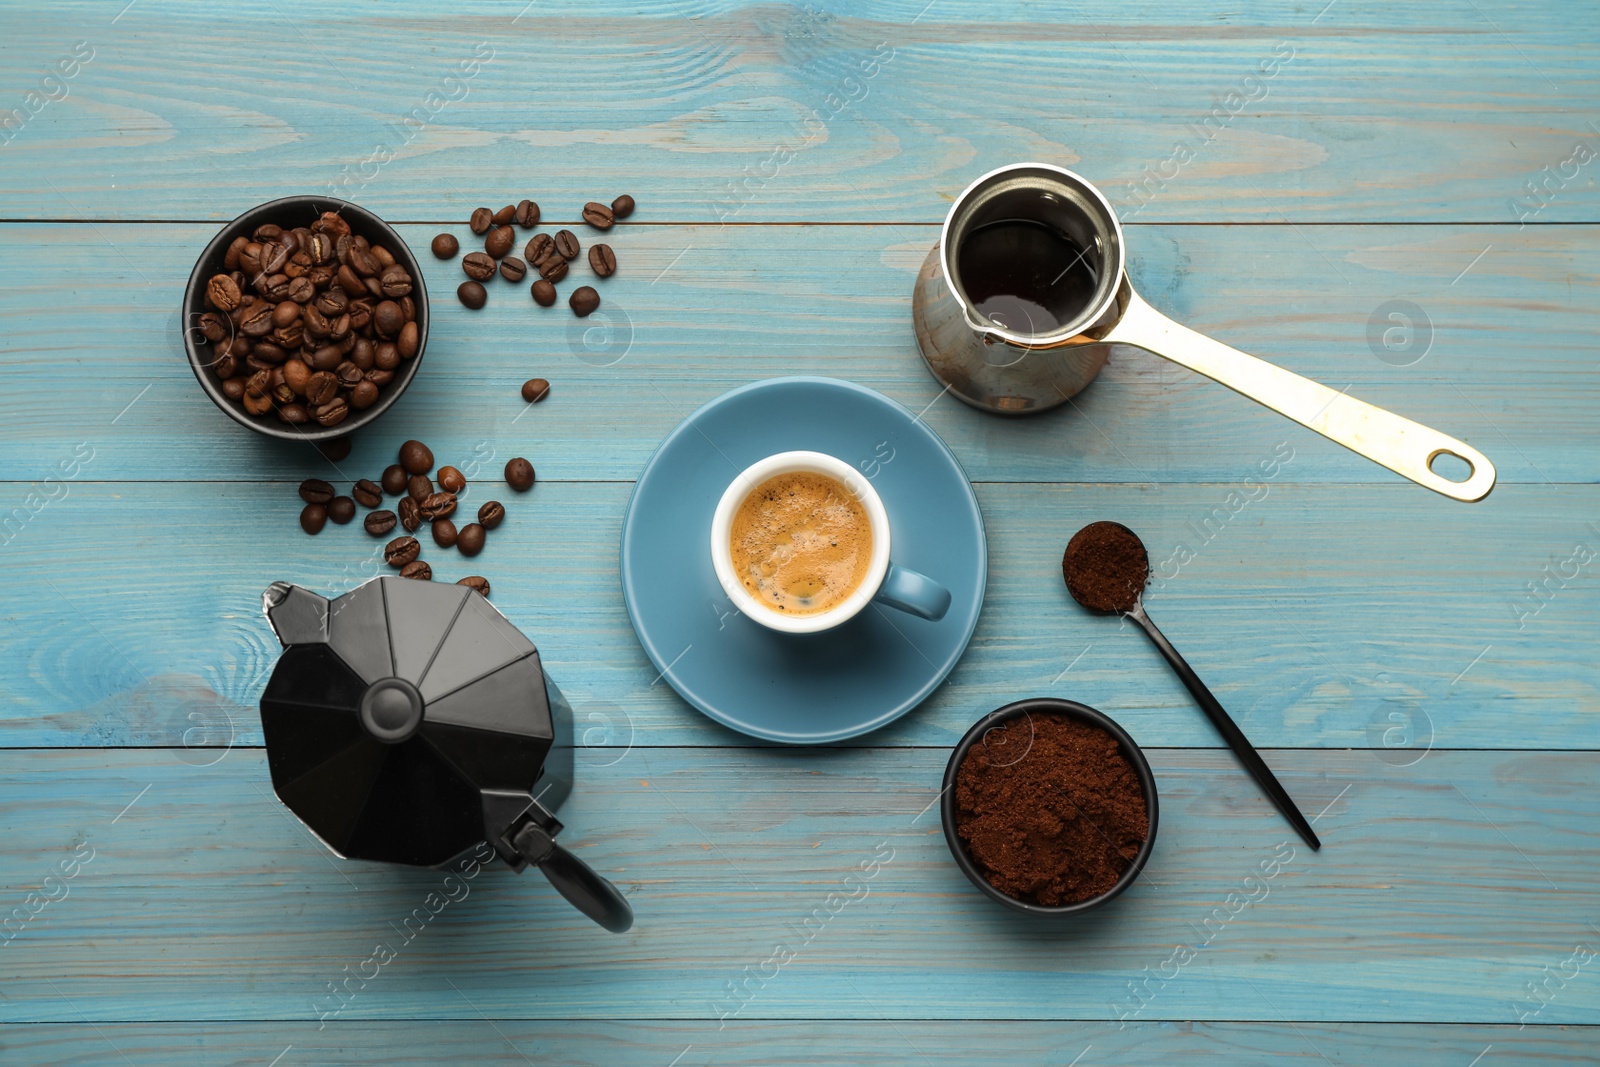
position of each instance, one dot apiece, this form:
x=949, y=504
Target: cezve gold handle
x=1405, y=447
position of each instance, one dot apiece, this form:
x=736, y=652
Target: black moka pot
x=408, y=721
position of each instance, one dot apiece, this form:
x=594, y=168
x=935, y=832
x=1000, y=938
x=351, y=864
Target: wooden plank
x=1373, y=112
x=1321, y=616
x=771, y=1043
x=1506, y=357
x=1443, y=889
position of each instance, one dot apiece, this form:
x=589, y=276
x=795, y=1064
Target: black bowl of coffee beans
x=305, y=318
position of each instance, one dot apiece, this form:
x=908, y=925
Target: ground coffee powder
x=1050, y=809
x=1106, y=567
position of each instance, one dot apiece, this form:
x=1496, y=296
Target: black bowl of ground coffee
x=1049, y=807
x=305, y=318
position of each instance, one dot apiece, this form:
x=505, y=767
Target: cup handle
x=912, y=592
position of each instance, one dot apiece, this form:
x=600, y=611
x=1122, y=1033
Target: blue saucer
x=800, y=688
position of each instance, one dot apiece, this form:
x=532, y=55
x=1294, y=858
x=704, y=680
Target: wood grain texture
x=1382, y=113
x=1441, y=890
x=1325, y=617
x=774, y=1043
x=1506, y=362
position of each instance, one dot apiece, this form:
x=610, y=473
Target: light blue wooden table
x=1422, y=673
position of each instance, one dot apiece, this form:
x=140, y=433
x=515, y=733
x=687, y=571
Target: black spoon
x=1106, y=568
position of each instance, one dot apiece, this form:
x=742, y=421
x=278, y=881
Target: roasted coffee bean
x=368, y=493
x=583, y=300
x=293, y=413
x=602, y=260
x=552, y=268
x=451, y=480
x=598, y=215
x=274, y=257
x=349, y=375
x=477, y=583
x=230, y=258
x=445, y=246
x=437, y=506
x=567, y=244
x=233, y=388
x=505, y=215
x=482, y=219
x=362, y=260
x=394, y=478
x=541, y=245
x=419, y=487
x=622, y=206
x=331, y=303
x=527, y=214
x=544, y=294
x=284, y=314
x=274, y=287
x=302, y=290
x=341, y=509
x=386, y=355
x=364, y=354
x=313, y=517
x=401, y=550
x=321, y=387
x=409, y=343
x=257, y=403
x=315, y=491
x=519, y=474
x=396, y=283
x=416, y=457
x=332, y=413
x=492, y=514
x=469, y=542
x=378, y=523
x=318, y=248
x=417, y=569
x=479, y=266
x=326, y=357
x=257, y=322
x=334, y=449
x=364, y=395
x=267, y=352
x=215, y=327
x=472, y=295
x=387, y=318
x=512, y=269
x=380, y=378
x=444, y=533
x=410, y=514
x=499, y=241
x=535, y=390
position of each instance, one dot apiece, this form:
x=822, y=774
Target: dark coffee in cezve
x=1025, y=276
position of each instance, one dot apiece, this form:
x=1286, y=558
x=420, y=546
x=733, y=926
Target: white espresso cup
x=884, y=582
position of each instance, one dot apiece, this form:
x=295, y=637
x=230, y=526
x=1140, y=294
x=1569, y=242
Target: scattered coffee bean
x=368, y=493
x=513, y=269
x=622, y=206
x=552, y=268
x=583, y=300
x=419, y=487
x=445, y=246
x=499, y=241
x=410, y=513
x=469, y=542
x=482, y=219
x=479, y=266
x=394, y=479
x=598, y=215
x=544, y=294
x=505, y=215
x=437, y=506
x=535, y=390
x=444, y=533
x=527, y=214
x=472, y=294
x=519, y=474
x=341, y=509
x=378, y=523
x=315, y=491
x=417, y=569
x=477, y=583
x=313, y=517
x=602, y=260
x=492, y=514
x=401, y=550
x=451, y=480
x=567, y=244
x=541, y=245
x=416, y=457
x=337, y=448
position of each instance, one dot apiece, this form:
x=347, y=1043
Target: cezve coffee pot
x=1017, y=304
x=408, y=721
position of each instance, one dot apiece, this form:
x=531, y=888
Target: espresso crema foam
x=801, y=543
